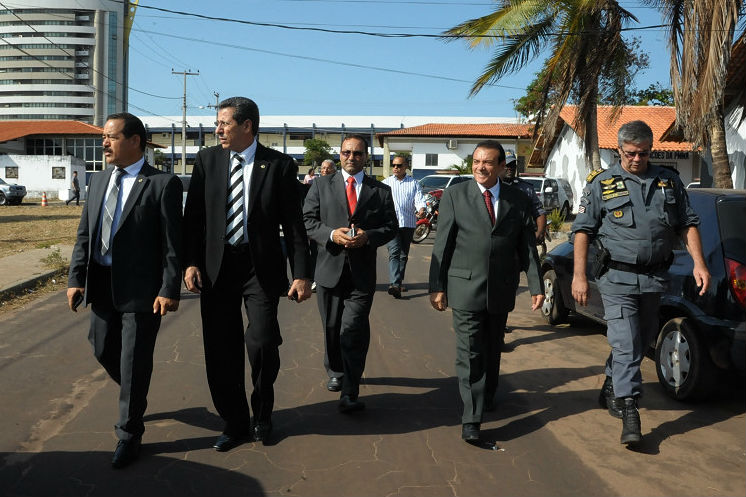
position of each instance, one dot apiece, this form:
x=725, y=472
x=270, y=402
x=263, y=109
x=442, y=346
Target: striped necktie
x=234, y=207
x=110, y=207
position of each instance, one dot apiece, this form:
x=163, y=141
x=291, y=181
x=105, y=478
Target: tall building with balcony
x=64, y=59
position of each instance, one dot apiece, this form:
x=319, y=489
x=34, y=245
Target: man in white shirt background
x=410, y=204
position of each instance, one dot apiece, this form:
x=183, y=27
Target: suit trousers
x=225, y=337
x=479, y=341
x=123, y=343
x=399, y=254
x=344, y=315
x=631, y=325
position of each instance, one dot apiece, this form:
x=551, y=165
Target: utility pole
x=184, y=121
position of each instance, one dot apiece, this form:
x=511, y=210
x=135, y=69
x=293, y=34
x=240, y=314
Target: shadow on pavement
x=90, y=473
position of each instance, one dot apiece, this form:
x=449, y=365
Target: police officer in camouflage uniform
x=636, y=211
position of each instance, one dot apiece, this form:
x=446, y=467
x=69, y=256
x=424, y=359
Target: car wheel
x=683, y=363
x=565, y=211
x=3, y=200
x=553, y=309
x=420, y=233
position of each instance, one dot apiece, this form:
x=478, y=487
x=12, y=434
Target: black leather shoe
x=631, y=432
x=261, y=432
x=470, y=432
x=126, y=452
x=334, y=384
x=348, y=404
x=226, y=442
x=395, y=291
x=607, y=400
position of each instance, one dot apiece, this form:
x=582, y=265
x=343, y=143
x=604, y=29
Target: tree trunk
x=592, y=154
x=721, y=175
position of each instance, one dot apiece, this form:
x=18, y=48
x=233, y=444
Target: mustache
x=107, y=149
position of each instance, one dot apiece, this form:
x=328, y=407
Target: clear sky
x=304, y=72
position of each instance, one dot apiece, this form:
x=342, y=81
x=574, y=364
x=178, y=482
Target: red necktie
x=351, y=195
x=488, y=201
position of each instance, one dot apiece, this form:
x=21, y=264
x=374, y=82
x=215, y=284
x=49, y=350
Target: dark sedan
x=700, y=337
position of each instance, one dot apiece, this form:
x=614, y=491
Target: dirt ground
x=29, y=225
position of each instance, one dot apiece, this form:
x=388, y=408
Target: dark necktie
x=351, y=195
x=234, y=207
x=488, y=201
x=110, y=207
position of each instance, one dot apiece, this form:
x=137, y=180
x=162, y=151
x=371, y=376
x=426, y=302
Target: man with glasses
x=634, y=211
x=409, y=204
x=240, y=194
x=349, y=215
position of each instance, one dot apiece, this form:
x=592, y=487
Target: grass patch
x=28, y=226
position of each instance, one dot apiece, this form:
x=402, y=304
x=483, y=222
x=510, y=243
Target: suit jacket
x=273, y=202
x=325, y=210
x=146, y=246
x=477, y=264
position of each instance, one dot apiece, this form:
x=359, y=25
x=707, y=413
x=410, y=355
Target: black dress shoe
x=348, y=404
x=395, y=291
x=470, y=432
x=261, y=431
x=126, y=452
x=226, y=442
x=334, y=384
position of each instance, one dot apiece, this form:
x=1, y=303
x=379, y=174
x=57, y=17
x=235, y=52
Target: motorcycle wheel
x=420, y=233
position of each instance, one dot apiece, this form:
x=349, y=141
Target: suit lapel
x=366, y=192
x=97, y=199
x=338, y=191
x=137, y=188
x=258, y=174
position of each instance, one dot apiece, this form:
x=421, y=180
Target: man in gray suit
x=125, y=263
x=485, y=236
x=348, y=215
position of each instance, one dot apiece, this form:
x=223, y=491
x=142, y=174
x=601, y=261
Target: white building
x=735, y=113
x=64, y=59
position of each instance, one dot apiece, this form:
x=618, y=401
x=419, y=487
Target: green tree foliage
x=317, y=151
x=652, y=95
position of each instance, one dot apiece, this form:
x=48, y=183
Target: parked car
x=442, y=181
x=700, y=337
x=11, y=194
x=694, y=184
x=554, y=193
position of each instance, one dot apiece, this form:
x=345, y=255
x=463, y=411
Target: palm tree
x=586, y=47
x=700, y=39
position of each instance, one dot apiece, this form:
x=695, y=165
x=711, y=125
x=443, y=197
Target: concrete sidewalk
x=26, y=269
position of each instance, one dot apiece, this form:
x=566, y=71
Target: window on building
x=11, y=172
x=431, y=159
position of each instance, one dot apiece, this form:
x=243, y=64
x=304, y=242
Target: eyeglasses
x=222, y=123
x=631, y=155
x=355, y=153
x=398, y=165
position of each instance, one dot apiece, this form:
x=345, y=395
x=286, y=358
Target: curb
x=11, y=291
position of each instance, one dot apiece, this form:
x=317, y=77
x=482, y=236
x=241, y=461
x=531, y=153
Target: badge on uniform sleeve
x=607, y=181
x=618, y=214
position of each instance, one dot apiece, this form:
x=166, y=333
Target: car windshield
x=731, y=213
x=2, y=182
x=535, y=182
x=433, y=182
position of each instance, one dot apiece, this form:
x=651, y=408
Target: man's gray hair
x=635, y=132
x=329, y=161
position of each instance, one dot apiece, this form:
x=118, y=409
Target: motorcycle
x=429, y=221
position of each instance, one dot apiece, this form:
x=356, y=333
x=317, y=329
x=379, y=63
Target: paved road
x=58, y=408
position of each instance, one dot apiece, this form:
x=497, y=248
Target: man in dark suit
x=348, y=215
x=485, y=234
x=240, y=193
x=125, y=263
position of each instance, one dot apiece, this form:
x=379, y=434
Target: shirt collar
x=495, y=190
x=358, y=176
x=134, y=169
x=248, y=153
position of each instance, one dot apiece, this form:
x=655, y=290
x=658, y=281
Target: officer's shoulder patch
x=593, y=174
x=607, y=181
